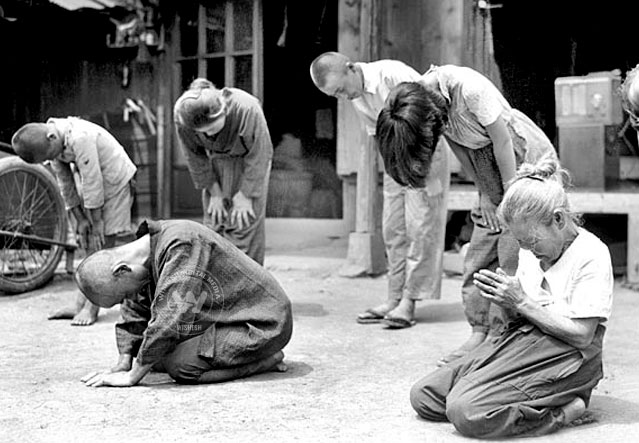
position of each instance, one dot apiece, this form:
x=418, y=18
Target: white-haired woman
x=538, y=375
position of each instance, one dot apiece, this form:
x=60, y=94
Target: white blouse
x=578, y=285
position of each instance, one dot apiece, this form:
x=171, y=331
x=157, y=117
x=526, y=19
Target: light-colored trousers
x=414, y=229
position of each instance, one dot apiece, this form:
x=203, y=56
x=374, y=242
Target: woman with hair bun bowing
x=538, y=374
x=228, y=149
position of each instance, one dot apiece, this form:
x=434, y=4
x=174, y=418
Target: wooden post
x=365, y=245
x=161, y=165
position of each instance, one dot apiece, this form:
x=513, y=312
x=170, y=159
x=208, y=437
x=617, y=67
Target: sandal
x=398, y=322
x=370, y=316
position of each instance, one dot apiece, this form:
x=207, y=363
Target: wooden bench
x=622, y=199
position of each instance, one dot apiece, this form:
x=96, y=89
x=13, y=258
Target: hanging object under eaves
x=74, y=5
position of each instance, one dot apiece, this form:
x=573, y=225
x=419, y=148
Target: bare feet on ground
x=83, y=312
x=475, y=339
x=404, y=310
x=573, y=410
x=87, y=315
x=66, y=313
x=402, y=316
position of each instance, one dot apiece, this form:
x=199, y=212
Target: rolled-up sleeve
x=257, y=141
x=129, y=332
x=199, y=164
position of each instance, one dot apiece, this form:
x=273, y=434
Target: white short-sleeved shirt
x=475, y=103
x=579, y=284
x=379, y=78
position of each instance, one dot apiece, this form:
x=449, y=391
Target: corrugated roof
x=74, y=5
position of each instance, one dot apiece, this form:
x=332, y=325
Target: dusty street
x=346, y=382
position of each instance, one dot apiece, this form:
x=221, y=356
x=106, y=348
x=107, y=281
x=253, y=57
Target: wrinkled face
x=343, y=85
x=544, y=241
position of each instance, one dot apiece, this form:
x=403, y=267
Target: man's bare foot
x=573, y=410
x=475, y=339
x=66, y=313
x=377, y=314
x=69, y=312
x=402, y=315
x=280, y=367
x=87, y=316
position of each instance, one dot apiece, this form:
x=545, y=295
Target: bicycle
x=33, y=225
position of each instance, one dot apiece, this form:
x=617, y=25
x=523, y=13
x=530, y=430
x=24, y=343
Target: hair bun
x=546, y=168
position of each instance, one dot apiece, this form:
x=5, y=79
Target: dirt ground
x=346, y=382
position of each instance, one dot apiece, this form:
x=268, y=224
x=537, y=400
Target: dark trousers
x=252, y=238
x=512, y=384
x=487, y=249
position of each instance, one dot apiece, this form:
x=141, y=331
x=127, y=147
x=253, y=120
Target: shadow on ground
x=309, y=310
x=439, y=312
x=296, y=369
x=607, y=409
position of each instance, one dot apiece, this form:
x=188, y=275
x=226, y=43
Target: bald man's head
x=336, y=75
x=106, y=279
x=36, y=142
x=328, y=62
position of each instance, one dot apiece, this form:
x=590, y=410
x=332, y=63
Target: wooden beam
x=616, y=201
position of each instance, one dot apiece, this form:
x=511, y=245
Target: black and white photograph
x=319, y=221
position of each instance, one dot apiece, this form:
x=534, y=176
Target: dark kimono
x=203, y=289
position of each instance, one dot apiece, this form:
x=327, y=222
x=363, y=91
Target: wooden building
x=102, y=59
x=107, y=59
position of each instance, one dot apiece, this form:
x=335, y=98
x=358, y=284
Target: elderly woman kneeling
x=538, y=375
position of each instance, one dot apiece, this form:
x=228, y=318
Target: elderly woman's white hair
x=536, y=192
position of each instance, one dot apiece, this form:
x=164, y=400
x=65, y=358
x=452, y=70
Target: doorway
x=302, y=120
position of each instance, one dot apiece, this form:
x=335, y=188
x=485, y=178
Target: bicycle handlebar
x=7, y=148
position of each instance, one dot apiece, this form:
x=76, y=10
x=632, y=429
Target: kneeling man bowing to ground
x=190, y=302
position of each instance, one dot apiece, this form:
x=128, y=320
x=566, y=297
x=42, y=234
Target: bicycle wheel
x=30, y=205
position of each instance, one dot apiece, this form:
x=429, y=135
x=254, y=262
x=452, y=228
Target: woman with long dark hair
x=488, y=137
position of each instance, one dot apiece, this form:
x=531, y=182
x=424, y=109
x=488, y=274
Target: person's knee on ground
x=186, y=372
x=468, y=413
x=466, y=418
x=182, y=370
x=426, y=403
x=271, y=363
